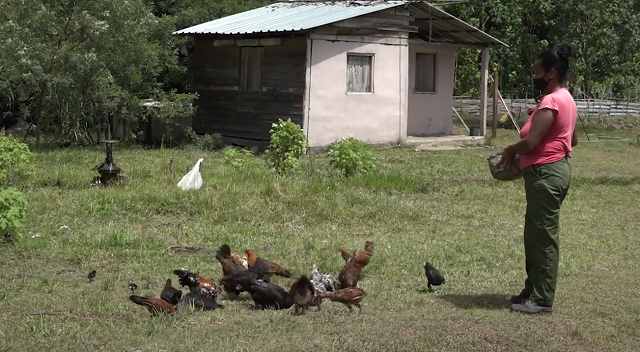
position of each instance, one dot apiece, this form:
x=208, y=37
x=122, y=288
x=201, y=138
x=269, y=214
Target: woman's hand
x=508, y=157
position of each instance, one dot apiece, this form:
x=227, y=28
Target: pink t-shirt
x=556, y=144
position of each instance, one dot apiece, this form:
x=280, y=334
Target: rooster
x=155, y=306
x=303, y=294
x=361, y=256
x=268, y=295
x=170, y=294
x=231, y=262
x=263, y=265
x=351, y=296
x=196, y=283
x=433, y=276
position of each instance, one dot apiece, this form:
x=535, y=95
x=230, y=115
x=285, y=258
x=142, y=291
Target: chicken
x=345, y=254
x=271, y=267
x=433, y=276
x=303, y=294
x=351, y=296
x=91, y=276
x=196, y=283
x=352, y=271
x=170, y=294
x=200, y=301
x=242, y=278
x=155, y=306
x=268, y=295
x=231, y=262
x=362, y=257
x=321, y=283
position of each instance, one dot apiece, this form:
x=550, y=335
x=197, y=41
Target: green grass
x=418, y=206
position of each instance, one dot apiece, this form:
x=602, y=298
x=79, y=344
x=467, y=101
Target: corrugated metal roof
x=298, y=16
x=289, y=17
x=444, y=27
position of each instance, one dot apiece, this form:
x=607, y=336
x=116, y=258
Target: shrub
x=15, y=165
x=350, y=156
x=15, y=160
x=236, y=157
x=287, y=145
x=209, y=142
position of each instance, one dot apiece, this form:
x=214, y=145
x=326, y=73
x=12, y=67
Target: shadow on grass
x=483, y=301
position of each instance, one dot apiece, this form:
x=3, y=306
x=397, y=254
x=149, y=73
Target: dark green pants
x=546, y=186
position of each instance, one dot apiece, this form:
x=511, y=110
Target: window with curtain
x=425, y=73
x=251, y=68
x=359, y=73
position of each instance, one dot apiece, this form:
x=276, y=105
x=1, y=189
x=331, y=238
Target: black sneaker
x=530, y=307
x=519, y=298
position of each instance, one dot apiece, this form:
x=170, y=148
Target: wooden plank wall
x=389, y=27
x=224, y=109
x=592, y=107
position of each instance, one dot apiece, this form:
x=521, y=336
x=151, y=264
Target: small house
x=379, y=71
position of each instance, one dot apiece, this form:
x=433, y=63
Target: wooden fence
x=601, y=109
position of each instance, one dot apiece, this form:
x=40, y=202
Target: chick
x=303, y=294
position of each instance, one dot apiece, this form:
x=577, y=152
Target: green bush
x=351, y=156
x=209, y=142
x=15, y=160
x=287, y=145
x=236, y=157
x=15, y=165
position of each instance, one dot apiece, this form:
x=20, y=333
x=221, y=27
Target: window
x=425, y=73
x=251, y=68
x=359, y=73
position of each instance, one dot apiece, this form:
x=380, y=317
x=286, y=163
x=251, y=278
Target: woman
x=545, y=145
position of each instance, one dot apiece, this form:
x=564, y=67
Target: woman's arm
x=540, y=124
x=574, y=138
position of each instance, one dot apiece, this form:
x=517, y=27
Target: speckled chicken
x=322, y=282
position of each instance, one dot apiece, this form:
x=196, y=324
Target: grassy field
x=437, y=206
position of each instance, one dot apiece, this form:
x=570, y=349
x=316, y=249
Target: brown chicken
x=352, y=270
x=155, y=306
x=351, y=296
x=345, y=254
x=303, y=294
x=231, y=262
x=270, y=268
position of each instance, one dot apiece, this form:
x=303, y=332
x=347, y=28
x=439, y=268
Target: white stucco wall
x=429, y=113
x=378, y=117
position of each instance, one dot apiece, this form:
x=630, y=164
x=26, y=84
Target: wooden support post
x=484, y=75
x=494, y=128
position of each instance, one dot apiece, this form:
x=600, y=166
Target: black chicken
x=196, y=283
x=200, y=301
x=170, y=293
x=433, y=276
x=269, y=295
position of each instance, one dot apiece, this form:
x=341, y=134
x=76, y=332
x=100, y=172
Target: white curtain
x=359, y=73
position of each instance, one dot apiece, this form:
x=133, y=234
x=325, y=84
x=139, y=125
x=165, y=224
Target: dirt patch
x=180, y=249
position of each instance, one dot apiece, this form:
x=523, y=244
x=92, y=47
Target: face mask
x=540, y=83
